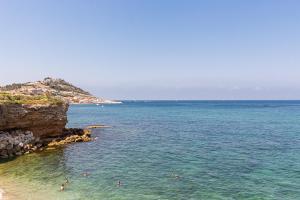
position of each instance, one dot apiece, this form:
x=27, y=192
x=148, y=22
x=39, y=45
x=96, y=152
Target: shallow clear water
x=170, y=150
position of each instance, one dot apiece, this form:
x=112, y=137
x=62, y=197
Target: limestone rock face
x=43, y=121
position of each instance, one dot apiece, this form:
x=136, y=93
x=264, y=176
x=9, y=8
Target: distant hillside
x=56, y=87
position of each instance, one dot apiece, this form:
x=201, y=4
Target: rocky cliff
x=43, y=120
x=58, y=88
x=27, y=121
x=33, y=116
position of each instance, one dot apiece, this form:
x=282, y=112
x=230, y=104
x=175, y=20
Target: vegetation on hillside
x=62, y=85
x=58, y=88
x=59, y=85
x=8, y=98
x=13, y=86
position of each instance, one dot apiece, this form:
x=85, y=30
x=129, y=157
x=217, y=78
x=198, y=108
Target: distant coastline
x=58, y=88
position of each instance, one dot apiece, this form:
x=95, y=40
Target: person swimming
x=85, y=174
x=62, y=187
x=119, y=183
x=66, y=180
x=177, y=177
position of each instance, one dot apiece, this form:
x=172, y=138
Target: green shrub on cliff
x=8, y=98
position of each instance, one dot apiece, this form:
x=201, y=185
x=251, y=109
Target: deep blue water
x=173, y=150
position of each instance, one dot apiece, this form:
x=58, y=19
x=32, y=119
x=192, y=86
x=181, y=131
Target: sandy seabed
x=1, y=194
x=8, y=190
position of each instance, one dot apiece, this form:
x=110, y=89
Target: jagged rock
x=9, y=146
x=72, y=135
x=40, y=120
x=18, y=142
x=12, y=142
x=3, y=152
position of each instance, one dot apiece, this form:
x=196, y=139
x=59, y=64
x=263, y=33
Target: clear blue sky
x=156, y=49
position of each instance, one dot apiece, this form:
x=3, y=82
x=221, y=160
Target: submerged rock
x=71, y=136
x=97, y=126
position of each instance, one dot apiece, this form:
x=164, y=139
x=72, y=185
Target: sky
x=155, y=49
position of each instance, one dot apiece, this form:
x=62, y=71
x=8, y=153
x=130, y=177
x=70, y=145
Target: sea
x=169, y=150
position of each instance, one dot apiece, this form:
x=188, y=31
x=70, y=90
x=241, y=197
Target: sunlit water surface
x=170, y=150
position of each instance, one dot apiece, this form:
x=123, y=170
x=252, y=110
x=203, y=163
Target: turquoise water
x=171, y=150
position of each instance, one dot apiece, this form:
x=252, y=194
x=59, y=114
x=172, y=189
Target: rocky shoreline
x=19, y=142
x=16, y=143
x=23, y=142
x=35, y=122
x=32, y=123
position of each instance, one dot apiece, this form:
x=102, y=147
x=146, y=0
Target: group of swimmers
x=62, y=187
